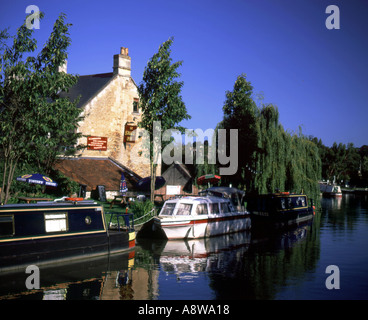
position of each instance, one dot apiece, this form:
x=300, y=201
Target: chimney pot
x=122, y=63
x=124, y=51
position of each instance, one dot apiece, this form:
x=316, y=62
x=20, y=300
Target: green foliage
x=160, y=100
x=140, y=208
x=65, y=187
x=241, y=112
x=270, y=158
x=36, y=124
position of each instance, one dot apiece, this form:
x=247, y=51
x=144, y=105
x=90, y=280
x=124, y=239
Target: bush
x=140, y=208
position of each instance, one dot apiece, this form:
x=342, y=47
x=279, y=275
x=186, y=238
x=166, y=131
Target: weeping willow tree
x=270, y=158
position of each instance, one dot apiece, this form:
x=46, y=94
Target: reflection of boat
x=183, y=256
x=280, y=207
x=58, y=231
x=330, y=190
x=71, y=280
x=198, y=217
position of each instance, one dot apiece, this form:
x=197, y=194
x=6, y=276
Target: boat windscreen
x=184, y=209
x=168, y=209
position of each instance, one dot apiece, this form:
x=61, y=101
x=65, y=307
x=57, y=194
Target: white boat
x=199, y=217
x=330, y=190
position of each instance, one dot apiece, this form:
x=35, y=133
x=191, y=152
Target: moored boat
x=199, y=217
x=330, y=190
x=51, y=232
x=282, y=207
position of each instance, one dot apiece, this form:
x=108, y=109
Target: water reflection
x=251, y=265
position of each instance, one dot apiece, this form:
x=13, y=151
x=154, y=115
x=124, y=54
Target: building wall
x=106, y=115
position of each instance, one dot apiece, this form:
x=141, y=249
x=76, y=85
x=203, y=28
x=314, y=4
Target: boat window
x=6, y=226
x=214, y=208
x=168, y=209
x=224, y=207
x=300, y=202
x=56, y=222
x=184, y=209
x=297, y=202
x=202, y=208
x=283, y=203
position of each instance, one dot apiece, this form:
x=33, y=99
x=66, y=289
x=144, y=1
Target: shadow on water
x=263, y=263
x=243, y=265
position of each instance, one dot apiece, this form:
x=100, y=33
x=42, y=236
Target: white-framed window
x=214, y=208
x=56, y=222
x=202, y=208
x=184, y=209
x=168, y=209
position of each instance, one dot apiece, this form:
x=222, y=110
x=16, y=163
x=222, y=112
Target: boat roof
x=223, y=191
x=278, y=194
x=48, y=204
x=194, y=199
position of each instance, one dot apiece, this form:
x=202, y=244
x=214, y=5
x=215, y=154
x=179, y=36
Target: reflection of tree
x=340, y=213
x=268, y=265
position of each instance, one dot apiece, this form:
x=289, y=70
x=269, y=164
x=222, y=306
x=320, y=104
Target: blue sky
x=316, y=77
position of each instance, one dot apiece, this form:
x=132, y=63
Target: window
x=184, y=209
x=224, y=207
x=214, y=208
x=6, y=226
x=202, y=208
x=135, y=105
x=168, y=209
x=56, y=222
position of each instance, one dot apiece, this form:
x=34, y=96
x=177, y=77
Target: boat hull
x=42, y=251
x=54, y=233
x=284, y=217
x=191, y=228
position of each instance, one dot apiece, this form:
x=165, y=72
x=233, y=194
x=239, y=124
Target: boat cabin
x=196, y=206
x=45, y=231
x=280, y=206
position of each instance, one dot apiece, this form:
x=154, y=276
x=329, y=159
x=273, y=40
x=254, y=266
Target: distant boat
x=282, y=207
x=330, y=190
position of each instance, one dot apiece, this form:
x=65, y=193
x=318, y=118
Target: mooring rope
x=148, y=213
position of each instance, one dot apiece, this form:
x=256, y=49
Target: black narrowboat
x=49, y=232
x=282, y=207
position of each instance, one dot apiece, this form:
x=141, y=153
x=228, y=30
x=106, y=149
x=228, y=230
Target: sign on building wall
x=130, y=133
x=96, y=143
x=173, y=190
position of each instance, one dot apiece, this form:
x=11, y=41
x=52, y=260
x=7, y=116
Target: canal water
x=258, y=264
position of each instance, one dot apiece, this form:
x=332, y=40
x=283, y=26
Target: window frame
x=62, y=229
x=11, y=216
x=212, y=205
x=179, y=210
x=202, y=205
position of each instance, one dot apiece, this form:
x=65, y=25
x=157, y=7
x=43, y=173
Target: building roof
x=97, y=171
x=87, y=87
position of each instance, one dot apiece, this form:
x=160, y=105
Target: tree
x=270, y=158
x=241, y=113
x=160, y=101
x=36, y=124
